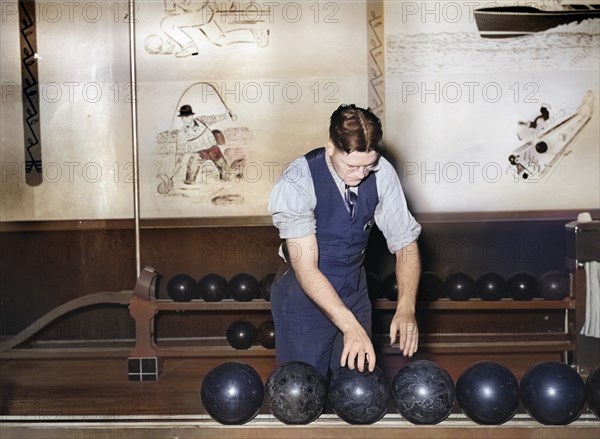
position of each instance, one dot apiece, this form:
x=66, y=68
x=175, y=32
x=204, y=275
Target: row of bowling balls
x=242, y=334
x=459, y=286
x=422, y=392
x=242, y=287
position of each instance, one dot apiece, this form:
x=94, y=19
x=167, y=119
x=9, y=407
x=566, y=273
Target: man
x=324, y=206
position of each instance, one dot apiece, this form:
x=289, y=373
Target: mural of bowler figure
x=187, y=23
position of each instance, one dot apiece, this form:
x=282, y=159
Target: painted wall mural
x=496, y=106
x=244, y=88
x=486, y=106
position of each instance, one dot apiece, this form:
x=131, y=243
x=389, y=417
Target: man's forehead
x=356, y=158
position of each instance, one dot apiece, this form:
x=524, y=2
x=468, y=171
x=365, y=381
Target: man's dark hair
x=355, y=129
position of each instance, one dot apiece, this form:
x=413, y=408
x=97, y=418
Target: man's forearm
x=408, y=271
x=303, y=257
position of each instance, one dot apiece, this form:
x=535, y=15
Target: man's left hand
x=405, y=324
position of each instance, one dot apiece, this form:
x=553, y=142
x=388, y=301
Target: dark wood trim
x=266, y=220
x=66, y=225
x=525, y=215
x=390, y=426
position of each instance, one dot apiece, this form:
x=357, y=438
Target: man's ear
x=329, y=148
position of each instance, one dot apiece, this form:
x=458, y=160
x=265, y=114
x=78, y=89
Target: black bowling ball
x=266, y=334
x=488, y=393
x=459, y=286
x=241, y=334
x=296, y=392
x=181, y=287
x=522, y=286
x=243, y=287
x=212, y=287
x=554, y=285
x=264, y=286
x=490, y=286
x=431, y=287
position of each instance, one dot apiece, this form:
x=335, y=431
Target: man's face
x=354, y=167
x=185, y=120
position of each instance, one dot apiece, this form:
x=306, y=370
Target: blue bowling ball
x=359, y=397
x=423, y=392
x=232, y=393
x=488, y=393
x=553, y=393
x=296, y=392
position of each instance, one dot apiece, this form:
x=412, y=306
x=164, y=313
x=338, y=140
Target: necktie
x=350, y=197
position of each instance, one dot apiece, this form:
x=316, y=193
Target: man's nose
x=363, y=171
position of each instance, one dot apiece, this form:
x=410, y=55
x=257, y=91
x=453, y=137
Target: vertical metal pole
x=134, y=134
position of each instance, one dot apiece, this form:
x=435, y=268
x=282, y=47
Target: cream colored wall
x=85, y=117
x=315, y=60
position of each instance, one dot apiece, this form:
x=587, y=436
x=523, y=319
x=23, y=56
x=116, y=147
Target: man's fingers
x=358, y=360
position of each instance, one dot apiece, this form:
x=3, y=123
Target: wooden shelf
x=212, y=351
x=483, y=343
x=478, y=304
x=201, y=305
x=378, y=304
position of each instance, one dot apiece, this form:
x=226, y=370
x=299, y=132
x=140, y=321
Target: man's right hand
x=358, y=349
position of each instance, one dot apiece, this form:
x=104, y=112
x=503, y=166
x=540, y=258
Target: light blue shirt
x=293, y=201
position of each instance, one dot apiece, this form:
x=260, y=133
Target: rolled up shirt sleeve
x=392, y=216
x=293, y=200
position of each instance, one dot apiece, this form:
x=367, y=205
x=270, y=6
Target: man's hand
x=358, y=348
x=303, y=255
x=404, y=323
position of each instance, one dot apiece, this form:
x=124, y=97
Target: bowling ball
x=459, y=286
x=389, y=287
x=359, y=397
x=243, y=287
x=431, y=287
x=490, y=286
x=554, y=285
x=212, y=287
x=488, y=393
x=373, y=286
x=181, y=287
x=592, y=391
x=241, y=334
x=522, y=286
x=264, y=286
x=553, y=393
x=232, y=393
x=423, y=392
x=296, y=392
x=266, y=334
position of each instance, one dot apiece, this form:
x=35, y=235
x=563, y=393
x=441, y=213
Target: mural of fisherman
x=196, y=136
x=205, y=146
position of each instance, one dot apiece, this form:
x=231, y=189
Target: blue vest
x=342, y=239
